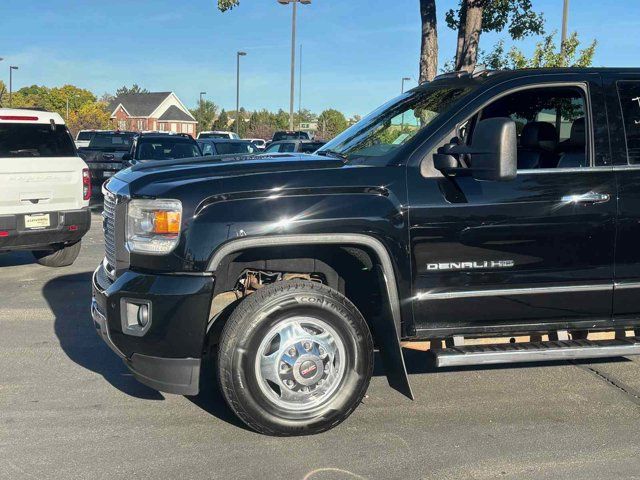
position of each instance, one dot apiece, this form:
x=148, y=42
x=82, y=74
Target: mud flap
x=386, y=338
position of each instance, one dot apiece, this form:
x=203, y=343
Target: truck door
x=534, y=252
x=623, y=103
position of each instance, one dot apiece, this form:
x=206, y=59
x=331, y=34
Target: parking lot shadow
x=69, y=298
x=14, y=259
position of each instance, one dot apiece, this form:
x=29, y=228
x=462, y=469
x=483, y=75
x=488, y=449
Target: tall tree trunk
x=472, y=30
x=461, y=35
x=429, y=49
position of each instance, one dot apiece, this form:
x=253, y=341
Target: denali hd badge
x=482, y=265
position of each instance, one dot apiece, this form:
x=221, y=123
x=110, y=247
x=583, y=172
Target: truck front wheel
x=60, y=256
x=295, y=358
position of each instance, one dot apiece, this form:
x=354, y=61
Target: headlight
x=153, y=226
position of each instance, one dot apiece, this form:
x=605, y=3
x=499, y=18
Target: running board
x=535, y=351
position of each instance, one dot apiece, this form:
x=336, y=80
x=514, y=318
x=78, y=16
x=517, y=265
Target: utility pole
x=293, y=54
x=300, y=90
x=11, y=69
x=565, y=22
x=240, y=54
x=201, y=94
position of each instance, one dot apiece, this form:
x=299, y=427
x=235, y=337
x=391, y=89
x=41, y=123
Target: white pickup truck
x=45, y=187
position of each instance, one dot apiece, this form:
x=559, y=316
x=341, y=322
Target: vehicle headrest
x=540, y=135
x=578, y=135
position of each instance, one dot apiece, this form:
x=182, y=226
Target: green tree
x=94, y=115
x=53, y=99
x=205, y=114
x=222, y=122
x=474, y=17
x=545, y=54
x=224, y=5
x=135, y=88
x=331, y=122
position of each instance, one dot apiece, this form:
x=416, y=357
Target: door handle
x=589, y=197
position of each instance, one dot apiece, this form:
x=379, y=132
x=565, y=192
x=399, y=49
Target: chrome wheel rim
x=300, y=363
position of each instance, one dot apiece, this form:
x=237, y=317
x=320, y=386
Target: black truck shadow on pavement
x=69, y=297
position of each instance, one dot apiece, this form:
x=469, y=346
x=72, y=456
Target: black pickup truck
x=104, y=154
x=495, y=205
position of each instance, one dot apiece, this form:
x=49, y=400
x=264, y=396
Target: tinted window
x=228, y=148
x=288, y=147
x=207, y=148
x=629, y=93
x=213, y=135
x=111, y=141
x=35, y=140
x=550, y=123
x=166, y=148
x=310, y=147
x=290, y=136
x=85, y=135
x=273, y=148
x=383, y=131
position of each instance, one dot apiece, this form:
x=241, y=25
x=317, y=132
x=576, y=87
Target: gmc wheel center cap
x=308, y=369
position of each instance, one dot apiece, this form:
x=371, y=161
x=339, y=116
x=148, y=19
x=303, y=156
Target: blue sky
x=355, y=51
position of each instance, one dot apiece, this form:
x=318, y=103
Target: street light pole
x=565, y=22
x=292, y=93
x=239, y=54
x=201, y=94
x=11, y=69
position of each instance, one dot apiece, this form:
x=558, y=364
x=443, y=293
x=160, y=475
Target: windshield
x=214, y=135
x=392, y=125
x=111, y=141
x=35, y=140
x=85, y=135
x=227, y=148
x=167, y=148
x=290, y=136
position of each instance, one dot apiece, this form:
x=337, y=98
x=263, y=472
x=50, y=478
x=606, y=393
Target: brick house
x=161, y=111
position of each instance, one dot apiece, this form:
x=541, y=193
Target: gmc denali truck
x=44, y=187
x=493, y=205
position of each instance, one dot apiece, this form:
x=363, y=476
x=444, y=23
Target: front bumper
x=168, y=356
x=67, y=227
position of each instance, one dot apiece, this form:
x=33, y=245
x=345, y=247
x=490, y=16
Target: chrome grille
x=109, y=215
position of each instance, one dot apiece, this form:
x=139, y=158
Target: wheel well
x=351, y=270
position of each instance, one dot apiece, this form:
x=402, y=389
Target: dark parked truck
x=104, y=154
x=486, y=205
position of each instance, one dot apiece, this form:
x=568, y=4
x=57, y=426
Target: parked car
x=223, y=146
x=83, y=137
x=104, y=154
x=294, y=146
x=218, y=134
x=161, y=146
x=44, y=187
x=290, y=135
x=258, y=142
x=495, y=204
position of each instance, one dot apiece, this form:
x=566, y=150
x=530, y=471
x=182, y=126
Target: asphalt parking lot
x=70, y=410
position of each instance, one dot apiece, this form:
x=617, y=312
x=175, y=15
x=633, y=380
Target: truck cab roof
x=27, y=115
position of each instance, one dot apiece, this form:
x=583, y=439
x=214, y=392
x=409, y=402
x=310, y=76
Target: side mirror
x=493, y=152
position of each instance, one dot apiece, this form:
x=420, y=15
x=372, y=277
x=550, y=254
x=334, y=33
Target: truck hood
x=155, y=177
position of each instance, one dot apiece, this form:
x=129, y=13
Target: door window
x=550, y=124
x=629, y=93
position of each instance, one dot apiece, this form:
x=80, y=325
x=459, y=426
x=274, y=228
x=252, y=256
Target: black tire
x=62, y=256
x=259, y=314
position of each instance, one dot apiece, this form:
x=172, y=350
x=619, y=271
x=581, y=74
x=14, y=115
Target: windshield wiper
x=332, y=153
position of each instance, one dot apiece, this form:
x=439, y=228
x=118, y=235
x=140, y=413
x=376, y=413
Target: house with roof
x=161, y=111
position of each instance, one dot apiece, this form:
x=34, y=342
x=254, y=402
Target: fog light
x=143, y=315
x=135, y=316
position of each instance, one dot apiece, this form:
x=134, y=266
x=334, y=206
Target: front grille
x=109, y=226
